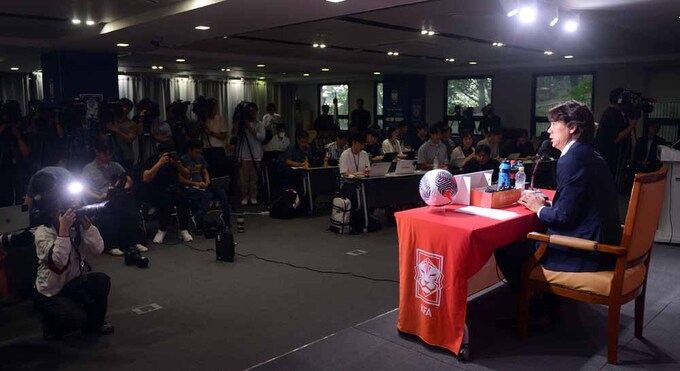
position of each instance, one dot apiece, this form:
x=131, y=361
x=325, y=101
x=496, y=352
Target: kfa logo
x=429, y=277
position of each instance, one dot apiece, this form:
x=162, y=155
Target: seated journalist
x=584, y=206
x=482, y=161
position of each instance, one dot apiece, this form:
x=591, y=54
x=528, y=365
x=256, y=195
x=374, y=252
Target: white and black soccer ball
x=438, y=187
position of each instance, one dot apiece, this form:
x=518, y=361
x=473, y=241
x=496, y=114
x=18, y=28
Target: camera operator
x=215, y=128
x=14, y=154
x=67, y=294
x=125, y=132
x=182, y=128
x=615, y=129
x=120, y=223
x=164, y=192
x=250, y=133
x=198, y=187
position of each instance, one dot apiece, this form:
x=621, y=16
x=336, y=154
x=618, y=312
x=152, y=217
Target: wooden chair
x=626, y=282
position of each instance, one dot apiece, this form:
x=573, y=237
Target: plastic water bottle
x=435, y=163
x=520, y=178
x=513, y=172
x=504, y=175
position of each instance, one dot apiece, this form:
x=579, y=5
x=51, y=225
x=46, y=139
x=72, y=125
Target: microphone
x=540, y=155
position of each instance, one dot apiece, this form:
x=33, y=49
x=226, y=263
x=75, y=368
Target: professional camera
x=133, y=257
x=634, y=104
x=242, y=113
x=173, y=155
x=58, y=198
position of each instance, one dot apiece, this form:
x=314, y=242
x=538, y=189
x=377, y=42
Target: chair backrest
x=643, y=213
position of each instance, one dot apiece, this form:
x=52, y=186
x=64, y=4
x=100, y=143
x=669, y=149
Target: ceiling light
x=393, y=53
x=260, y=66
x=571, y=25
x=225, y=70
x=180, y=60
x=315, y=45
x=450, y=60
x=568, y=56
x=390, y=53
x=547, y=52
x=225, y=37
x=89, y=23
x=14, y=68
x=527, y=14
x=160, y=67
x=430, y=33
x=472, y=62
x=122, y=45
x=322, y=46
x=262, y=77
x=202, y=28
x=376, y=73
x=423, y=32
x=76, y=21
x=325, y=69
x=154, y=67
x=305, y=74
x=554, y=21
x=498, y=45
x=335, y=1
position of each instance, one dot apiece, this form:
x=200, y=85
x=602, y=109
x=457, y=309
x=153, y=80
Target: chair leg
x=613, y=332
x=523, y=311
x=640, y=312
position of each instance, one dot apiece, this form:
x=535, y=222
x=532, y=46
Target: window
x=327, y=93
x=467, y=92
x=379, y=103
x=555, y=89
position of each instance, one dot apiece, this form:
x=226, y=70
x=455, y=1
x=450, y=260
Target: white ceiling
x=279, y=34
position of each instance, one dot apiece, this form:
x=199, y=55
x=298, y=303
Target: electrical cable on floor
x=296, y=266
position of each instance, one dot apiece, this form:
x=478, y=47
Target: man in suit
x=584, y=206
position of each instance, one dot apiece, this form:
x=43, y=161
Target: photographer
x=125, y=132
x=250, y=133
x=215, y=128
x=67, y=294
x=120, y=223
x=616, y=126
x=198, y=187
x=164, y=192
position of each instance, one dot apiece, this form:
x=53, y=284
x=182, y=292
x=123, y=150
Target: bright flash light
x=527, y=14
x=571, y=25
x=75, y=188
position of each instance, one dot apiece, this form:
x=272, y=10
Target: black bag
x=285, y=206
x=213, y=223
x=225, y=246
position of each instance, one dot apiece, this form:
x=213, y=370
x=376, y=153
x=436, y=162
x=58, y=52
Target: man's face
x=371, y=139
x=446, y=135
x=104, y=158
x=253, y=114
x=652, y=130
x=360, y=104
x=422, y=132
x=436, y=137
x=357, y=146
x=341, y=142
x=271, y=111
x=303, y=143
x=522, y=139
x=195, y=153
x=482, y=158
x=467, y=141
x=324, y=111
x=560, y=134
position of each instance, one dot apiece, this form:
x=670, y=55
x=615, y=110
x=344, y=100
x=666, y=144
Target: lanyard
x=356, y=161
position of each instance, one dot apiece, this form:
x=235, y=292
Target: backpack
x=340, y=215
x=285, y=206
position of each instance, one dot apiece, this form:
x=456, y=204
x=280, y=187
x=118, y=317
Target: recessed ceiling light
x=180, y=60
x=335, y=1
x=322, y=46
x=154, y=67
x=122, y=45
x=89, y=22
x=568, y=56
x=76, y=21
x=225, y=37
x=376, y=73
x=14, y=68
x=315, y=45
x=547, y=52
x=499, y=45
x=262, y=77
x=472, y=62
x=160, y=67
x=423, y=32
x=554, y=21
x=393, y=53
x=260, y=66
x=325, y=69
x=431, y=33
x=202, y=28
x=305, y=74
x=450, y=60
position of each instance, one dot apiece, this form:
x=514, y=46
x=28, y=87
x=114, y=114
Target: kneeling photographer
x=120, y=223
x=69, y=296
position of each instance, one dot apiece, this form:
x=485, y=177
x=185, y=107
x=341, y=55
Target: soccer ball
x=438, y=187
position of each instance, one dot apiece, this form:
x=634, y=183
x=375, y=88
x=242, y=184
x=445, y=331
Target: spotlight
x=76, y=21
x=390, y=53
x=547, y=52
x=322, y=46
x=260, y=66
x=122, y=45
x=154, y=67
x=202, y=28
x=262, y=77
x=305, y=74
x=499, y=45
x=160, y=67
x=527, y=14
x=75, y=188
x=568, y=56
x=472, y=63
x=571, y=25
x=14, y=68
x=325, y=69
x=335, y=1
x=376, y=73
x=423, y=32
x=180, y=60
x=89, y=23
x=315, y=45
x=430, y=33
x=450, y=60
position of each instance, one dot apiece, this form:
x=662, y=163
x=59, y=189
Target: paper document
x=488, y=213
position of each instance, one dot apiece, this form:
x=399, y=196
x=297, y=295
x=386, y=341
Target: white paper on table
x=488, y=213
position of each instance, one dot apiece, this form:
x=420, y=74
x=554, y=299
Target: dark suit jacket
x=584, y=206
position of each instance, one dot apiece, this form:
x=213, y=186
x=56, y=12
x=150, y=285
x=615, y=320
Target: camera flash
x=75, y=188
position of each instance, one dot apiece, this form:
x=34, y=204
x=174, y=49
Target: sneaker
x=141, y=248
x=185, y=236
x=116, y=252
x=253, y=201
x=160, y=236
x=244, y=202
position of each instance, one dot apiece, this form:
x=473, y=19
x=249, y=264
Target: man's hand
x=378, y=158
x=163, y=160
x=532, y=201
x=87, y=222
x=66, y=220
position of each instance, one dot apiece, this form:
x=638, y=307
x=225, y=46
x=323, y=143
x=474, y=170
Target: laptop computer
x=14, y=218
x=379, y=168
x=220, y=182
x=389, y=157
x=405, y=167
x=513, y=156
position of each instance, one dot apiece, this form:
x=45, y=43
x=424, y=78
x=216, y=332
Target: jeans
x=200, y=201
x=81, y=304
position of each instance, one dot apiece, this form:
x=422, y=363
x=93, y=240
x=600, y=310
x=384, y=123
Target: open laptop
x=379, y=168
x=405, y=167
x=513, y=156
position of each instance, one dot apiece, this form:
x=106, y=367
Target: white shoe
x=141, y=248
x=244, y=202
x=160, y=236
x=253, y=201
x=185, y=236
x=116, y=252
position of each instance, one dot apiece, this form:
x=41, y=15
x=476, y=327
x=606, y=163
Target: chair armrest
x=577, y=243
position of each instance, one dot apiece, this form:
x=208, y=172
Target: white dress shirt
x=351, y=162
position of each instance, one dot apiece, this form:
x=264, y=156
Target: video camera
x=242, y=113
x=634, y=104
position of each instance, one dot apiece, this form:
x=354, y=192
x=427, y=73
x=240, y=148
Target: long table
x=440, y=250
x=388, y=190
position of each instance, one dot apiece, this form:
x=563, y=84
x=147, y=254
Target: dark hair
x=487, y=107
x=280, y=126
x=374, y=133
x=522, y=132
x=615, y=94
x=360, y=100
x=422, y=126
x=341, y=135
x=271, y=106
x=435, y=130
x=445, y=128
x=302, y=134
x=194, y=143
x=464, y=133
x=359, y=137
x=127, y=102
x=482, y=149
x=576, y=116
x=403, y=123
x=325, y=107
x=101, y=147
x=390, y=130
